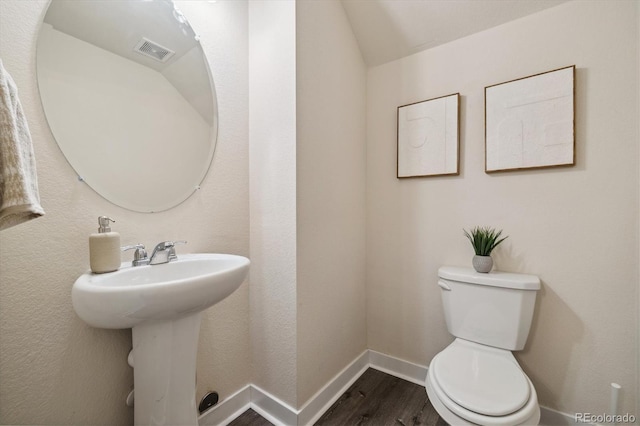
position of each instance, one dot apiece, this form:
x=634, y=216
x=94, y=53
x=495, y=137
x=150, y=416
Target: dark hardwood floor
x=250, y=418
x=375, y=399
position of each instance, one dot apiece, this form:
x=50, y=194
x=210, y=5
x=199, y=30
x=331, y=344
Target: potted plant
x=483, y=239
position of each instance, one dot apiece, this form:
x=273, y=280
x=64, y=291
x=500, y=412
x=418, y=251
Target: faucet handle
x=140, y=255
x=171, y=246
x=133, y=246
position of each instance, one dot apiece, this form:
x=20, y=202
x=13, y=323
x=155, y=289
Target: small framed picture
x=529, y=122
x=429, y=137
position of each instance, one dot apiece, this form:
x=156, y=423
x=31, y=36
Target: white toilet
x=476, y=380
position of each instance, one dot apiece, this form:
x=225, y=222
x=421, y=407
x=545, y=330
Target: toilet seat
x=482, y=379
x=482, y=385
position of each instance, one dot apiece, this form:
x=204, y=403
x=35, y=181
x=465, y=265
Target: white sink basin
x=131, y=295
x=163, y=305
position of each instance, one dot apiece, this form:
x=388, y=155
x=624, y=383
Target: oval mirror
x=129, y=98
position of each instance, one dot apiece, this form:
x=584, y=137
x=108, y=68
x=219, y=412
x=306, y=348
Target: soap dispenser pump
x=104, y=248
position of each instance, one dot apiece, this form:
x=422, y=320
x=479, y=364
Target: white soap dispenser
x=104, y=248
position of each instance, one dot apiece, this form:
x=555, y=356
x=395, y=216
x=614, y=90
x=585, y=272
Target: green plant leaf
x=484, y=239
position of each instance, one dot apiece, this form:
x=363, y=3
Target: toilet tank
x=492, y=309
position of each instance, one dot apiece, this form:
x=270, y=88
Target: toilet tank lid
x=493, y=278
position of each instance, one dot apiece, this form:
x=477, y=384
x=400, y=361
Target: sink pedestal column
x=164, y=373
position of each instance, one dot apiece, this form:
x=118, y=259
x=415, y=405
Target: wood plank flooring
x=375, y=399
x=250, y=418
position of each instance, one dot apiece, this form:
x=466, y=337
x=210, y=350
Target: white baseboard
x=316, y=406
x=551, y=417
x=271, y=408
x=280, y=413
x=400, y=368
x=229, y=409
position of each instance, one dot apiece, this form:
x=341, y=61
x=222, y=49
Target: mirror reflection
x=128, y=95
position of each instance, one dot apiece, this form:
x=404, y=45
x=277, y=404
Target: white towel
x=19, y=198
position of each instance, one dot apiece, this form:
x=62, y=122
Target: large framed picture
x=428, y=137
x=529, y=122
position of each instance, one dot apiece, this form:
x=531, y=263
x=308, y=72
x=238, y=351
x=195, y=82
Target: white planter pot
x=482, y=263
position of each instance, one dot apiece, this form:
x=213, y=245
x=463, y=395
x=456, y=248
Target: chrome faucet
x=140, y=255
x=164, y=252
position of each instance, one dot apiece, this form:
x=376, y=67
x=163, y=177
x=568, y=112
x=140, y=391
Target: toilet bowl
x=476, y=380
x=473, y=384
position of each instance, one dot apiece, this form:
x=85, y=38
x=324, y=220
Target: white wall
x=272, y=130
x=577, y=228
x=331, y=80
x=75, y=373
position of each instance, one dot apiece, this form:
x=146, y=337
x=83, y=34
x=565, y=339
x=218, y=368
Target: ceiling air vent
x=153, y=50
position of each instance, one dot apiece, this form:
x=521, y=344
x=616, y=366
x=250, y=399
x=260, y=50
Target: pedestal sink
x=163, y=305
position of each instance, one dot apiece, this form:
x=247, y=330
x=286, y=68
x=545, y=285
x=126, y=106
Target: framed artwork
x=428, y=137
x=529, y=122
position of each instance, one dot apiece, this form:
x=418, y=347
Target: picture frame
x=428, y=137
x=530, y=122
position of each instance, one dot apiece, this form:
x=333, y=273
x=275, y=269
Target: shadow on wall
x=101, y=358
x=506, y=259
x=558, y=321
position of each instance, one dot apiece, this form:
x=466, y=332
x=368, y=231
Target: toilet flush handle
x=443, y=285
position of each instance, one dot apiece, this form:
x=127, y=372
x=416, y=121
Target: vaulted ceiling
x=391, y=29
